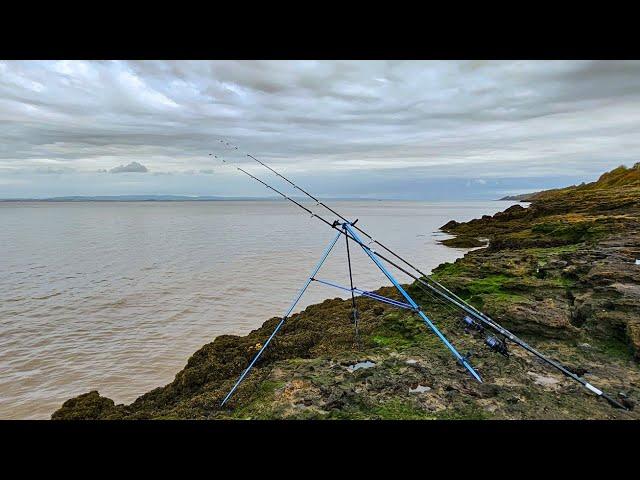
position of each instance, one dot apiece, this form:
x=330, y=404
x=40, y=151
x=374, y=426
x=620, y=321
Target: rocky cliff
x=562, y=273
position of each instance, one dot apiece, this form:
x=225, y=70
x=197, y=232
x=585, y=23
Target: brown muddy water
x=116, y=296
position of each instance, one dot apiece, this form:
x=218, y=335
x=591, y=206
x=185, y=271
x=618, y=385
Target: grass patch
x=488, y=284
x=448, y=270
x=494, y=289
x=570, y=232
x=405, y=332
x=390, y=341
x=491, y=284
x=398, y=329
x=261, y=403
x=561, y=282
x=504, y=297
x=616, y=348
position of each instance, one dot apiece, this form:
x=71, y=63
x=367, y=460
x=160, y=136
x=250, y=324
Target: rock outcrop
x=562, y=273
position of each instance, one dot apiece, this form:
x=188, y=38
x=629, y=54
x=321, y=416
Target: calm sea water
x=117, y=296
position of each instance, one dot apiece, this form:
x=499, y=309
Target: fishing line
x=235, y=148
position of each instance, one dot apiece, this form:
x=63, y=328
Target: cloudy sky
x=410, y=129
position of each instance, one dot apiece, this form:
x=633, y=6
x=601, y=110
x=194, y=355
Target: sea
x=115, y=296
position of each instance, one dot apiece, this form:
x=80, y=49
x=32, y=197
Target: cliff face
x=561, y=273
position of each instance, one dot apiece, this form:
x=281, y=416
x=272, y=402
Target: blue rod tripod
x=411, y=305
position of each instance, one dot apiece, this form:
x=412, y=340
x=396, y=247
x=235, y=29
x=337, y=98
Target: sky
x=431, y=130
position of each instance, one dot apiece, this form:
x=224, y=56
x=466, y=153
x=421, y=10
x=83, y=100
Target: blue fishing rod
x=431, y=286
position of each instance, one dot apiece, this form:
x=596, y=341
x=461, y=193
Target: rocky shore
x=563, y=273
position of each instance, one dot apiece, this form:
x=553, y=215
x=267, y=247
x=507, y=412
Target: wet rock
x=339, y=399
x=579, y=371
x=89, y=406
x=449, y=225
x=463, y=241
x=488, y=390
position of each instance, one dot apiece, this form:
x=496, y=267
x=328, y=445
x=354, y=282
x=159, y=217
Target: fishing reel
x=497, y=345
x=470, y=324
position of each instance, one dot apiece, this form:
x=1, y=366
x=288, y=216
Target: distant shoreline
x=179, y=198
x=124, y=200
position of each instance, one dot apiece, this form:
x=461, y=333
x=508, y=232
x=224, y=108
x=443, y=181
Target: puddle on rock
x=419, y=389
x=359, y=365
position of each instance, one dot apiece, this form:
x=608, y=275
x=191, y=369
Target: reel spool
x=470, y=324
x=497, y=345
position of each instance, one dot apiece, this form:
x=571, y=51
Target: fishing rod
x=440, y=290
x=344, y=230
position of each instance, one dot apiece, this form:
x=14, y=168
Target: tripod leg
x=285, y=316
x=354, y=307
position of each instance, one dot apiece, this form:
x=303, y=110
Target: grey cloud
x=131, y=167
x=480, y=119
